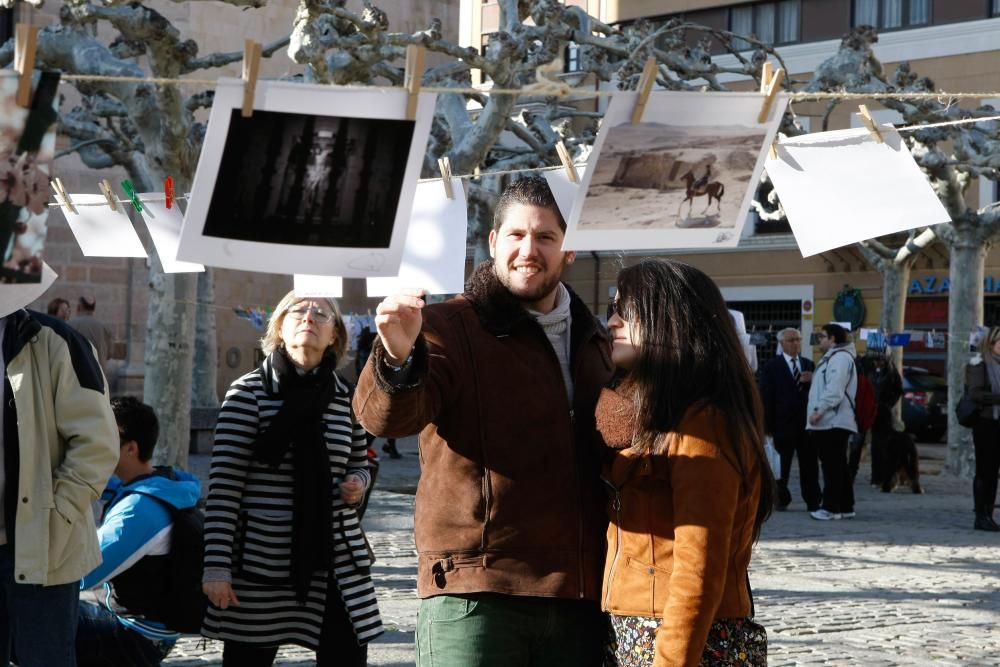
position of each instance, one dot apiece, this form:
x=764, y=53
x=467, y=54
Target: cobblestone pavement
x=907, y=582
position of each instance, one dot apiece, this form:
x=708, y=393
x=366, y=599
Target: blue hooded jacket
x=136, y=526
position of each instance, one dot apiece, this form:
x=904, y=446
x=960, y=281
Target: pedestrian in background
x=286, y=561
x=684, y=440
x=831, y=420
x=59, y=308
x=784, y=387
x=92, y=329
x=982, y=385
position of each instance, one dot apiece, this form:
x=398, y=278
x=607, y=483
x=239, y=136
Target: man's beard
x=550, y=283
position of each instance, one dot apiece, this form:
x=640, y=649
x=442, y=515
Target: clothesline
x=549, y=88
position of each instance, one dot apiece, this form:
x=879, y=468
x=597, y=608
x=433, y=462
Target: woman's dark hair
x=689, y=353
x=836, y=333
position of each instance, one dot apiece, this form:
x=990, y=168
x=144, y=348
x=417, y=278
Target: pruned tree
x=951, y=156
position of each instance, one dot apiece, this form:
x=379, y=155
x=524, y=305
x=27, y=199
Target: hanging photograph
x=681, y=178
x=101, y=232
x=841, y=187
x=164, y=226
x=434, y=257
x=27, y=146
x=318, y=180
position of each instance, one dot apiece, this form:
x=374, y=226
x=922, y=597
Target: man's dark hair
x=836, y=332
x=87, y=304
x=53, y=307
x=530, y=191
x=137, y=421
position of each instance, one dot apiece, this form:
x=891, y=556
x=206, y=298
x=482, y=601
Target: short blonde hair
x=989, y=340
x=271, y=340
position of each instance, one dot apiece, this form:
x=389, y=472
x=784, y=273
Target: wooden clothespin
x=773, y=151
x=869, y=122
x=646, y=82
x=168, y=191
x=109, y=194
x=25, y=44
x=567, y=162
x=131, y=194
x=444, y=164
x=477, y=173
x=251, y=69
x=66, y=203
x=773, y=86
x=413, y=78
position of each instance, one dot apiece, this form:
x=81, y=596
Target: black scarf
x=299, y=425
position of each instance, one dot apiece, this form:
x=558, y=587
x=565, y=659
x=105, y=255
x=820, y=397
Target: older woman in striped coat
x=285, y=558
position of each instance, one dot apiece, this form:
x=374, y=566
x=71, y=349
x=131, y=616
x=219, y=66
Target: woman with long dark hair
x=683, y=435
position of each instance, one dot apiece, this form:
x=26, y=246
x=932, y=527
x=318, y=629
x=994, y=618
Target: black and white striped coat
x=248, y=524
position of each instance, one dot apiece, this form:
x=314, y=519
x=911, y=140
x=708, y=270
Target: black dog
x=894, y=461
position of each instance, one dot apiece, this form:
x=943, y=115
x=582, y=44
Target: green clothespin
x=130, y=193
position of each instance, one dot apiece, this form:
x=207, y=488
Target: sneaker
x=823, y=515
x=848, y=515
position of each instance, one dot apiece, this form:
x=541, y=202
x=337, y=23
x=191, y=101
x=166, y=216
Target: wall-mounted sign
x=807, y=306
x=935, y=285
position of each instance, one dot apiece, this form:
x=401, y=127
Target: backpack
x=178, y=601
x=865, y=403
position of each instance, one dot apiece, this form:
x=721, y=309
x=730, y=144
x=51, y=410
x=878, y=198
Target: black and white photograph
x=336, y=189
x=681, y=178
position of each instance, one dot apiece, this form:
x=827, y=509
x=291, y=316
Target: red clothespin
x=168, y=191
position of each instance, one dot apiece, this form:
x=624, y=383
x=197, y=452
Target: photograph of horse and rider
x=656, y=176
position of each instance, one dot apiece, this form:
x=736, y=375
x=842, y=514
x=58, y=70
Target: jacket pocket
x=63, y=525
x=265, y=549
x=649, y=583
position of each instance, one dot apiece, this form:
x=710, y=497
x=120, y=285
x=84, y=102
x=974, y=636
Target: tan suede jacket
x=681, y=529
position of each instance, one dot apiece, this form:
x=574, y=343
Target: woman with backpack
x=683, y=441
x=982, y=386
x=286, y=561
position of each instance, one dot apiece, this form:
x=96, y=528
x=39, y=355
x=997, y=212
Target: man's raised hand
x=398, y=320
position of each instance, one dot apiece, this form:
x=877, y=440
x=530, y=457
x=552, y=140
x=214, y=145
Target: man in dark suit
x=784, y=388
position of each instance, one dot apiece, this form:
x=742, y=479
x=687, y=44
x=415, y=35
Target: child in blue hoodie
x=135, y=540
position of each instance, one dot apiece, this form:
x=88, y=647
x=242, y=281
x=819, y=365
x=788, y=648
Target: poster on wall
x=841, y=187
x=682, y=178
x=319, y=180
x=434, y=256
x=27, y=147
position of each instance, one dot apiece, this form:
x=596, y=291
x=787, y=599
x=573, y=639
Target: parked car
x=925, y=404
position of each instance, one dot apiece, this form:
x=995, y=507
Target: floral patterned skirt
x=732, y=642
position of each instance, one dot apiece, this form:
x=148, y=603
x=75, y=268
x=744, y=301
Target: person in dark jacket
x=501, y=382
x=888, y=384
x=982, y=384
x=784, y=389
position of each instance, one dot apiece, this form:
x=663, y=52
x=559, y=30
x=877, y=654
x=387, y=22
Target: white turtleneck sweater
x=556, y=325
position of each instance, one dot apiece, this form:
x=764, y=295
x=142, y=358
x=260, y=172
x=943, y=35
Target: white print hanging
x=164, y=225
x=100, y=231
x=319, y=180
x=318, y=286
x=434, y=255
x=842, y=187
x=564, y=190
x=682, y=178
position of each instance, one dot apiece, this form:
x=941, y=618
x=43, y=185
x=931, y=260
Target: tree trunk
x=206, y=349
x=169, y=343
x=965, y=313
x=895, y=285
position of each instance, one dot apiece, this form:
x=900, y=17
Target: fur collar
x=501, y=312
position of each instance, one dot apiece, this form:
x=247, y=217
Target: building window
x=893, y=14
x=769, y=22
x=483, y=45
x=995, y=7
x=572, y=59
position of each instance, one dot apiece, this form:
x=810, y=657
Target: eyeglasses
x=616, y=308
x=318, y=314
